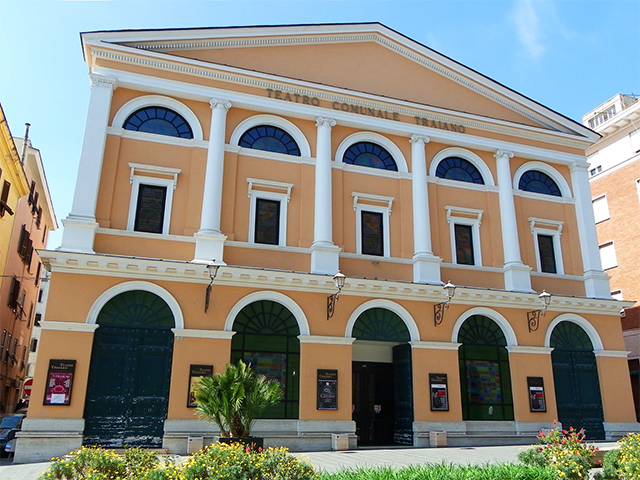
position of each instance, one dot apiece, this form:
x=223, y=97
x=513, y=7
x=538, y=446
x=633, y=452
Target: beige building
x=228, y=174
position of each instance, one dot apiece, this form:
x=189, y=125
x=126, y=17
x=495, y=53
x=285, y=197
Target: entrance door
x=402, y=395
x=373, y=402
x=128, y=391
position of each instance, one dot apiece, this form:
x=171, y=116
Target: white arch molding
x=274, y=121
x=158, y=101
x=468, y=155
x=276, y=297
x=555, y=175
x=502, y=322
x=378, y=139
x=399, y=310
x=107, y=295
x=590, y=330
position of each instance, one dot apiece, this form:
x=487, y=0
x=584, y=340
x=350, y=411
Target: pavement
x=351, y=459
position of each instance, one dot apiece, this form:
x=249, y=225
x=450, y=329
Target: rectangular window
x=464, y=244
x=617, y=294
x=15, y=293
x=34, y=345
x=608, y=255
x=150, y=208
x=547, y=245
x=2, y=342
x=600, y=208
x=635, y=141
x=4, y=199
x=267, y=229
x=37, y=319
x=547, y=254
x=7, y=348
x=372, y=233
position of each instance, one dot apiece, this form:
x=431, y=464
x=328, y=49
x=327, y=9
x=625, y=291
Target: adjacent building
x=228, y=174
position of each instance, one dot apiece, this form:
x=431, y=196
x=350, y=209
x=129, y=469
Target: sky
x=569, y=55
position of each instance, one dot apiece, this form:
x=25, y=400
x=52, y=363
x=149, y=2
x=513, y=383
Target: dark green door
x=373, y=402
x=402, y=395
x=129, y=375
x=575, y=376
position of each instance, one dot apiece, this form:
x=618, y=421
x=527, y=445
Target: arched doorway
x=575, y=376
x=267, y=338
x=130, y=371
x=382, y=379
x=484, y=371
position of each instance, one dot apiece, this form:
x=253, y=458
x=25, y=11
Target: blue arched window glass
x=456, y=168
x=539, y=182
x=369, y=154
x=269, y=139
x=159, y=120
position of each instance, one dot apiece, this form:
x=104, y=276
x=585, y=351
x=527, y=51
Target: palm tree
x=234, y=398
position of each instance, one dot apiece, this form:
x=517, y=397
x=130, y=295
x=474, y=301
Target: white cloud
x=528, y=26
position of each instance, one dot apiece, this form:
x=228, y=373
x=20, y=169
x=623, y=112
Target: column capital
x=416, y=138
x=579, y=167
x=215, y=103
x=503, y=153
x=102, y=81
x=331, y=122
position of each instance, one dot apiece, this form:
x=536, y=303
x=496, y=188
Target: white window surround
x=372, y=203
x=608, y=255
x=138, y=177
x=468, y=155
x=600, y=208
x=617, y=294
x=552, y=228
x=465, y=216
x=269, y=190
x=160, y=101
x=544, y=168
x=274, y=121
x=378, y=139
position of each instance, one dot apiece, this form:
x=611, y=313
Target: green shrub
x=623, y=462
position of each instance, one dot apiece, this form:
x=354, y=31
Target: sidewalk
x=351, y=459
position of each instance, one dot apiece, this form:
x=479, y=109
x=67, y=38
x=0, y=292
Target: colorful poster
x=537, y=401
x=483, y=379
x=327, y=390
x=439, y=394
x=271, y=365
x=196, y=372
x=59, y=382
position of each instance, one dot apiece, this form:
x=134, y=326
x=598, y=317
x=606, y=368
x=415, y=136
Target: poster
x=59, y=382
x=327, y=390
x=439, y=394
x=537, y=401
x=196, y=372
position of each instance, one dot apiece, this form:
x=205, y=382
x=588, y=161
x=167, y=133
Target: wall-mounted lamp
x=533, y=317
x=338, y=280
x=213, y=271
x=439, y=308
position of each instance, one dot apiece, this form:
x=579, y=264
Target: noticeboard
x=537, y=401
x=327, y=390
x=439, y=392
x=59, y=382
x=196, y=372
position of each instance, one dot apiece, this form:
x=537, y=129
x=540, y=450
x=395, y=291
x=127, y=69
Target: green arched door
x=575, y=376
x=130, y=371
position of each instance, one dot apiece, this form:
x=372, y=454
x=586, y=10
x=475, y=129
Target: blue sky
x=569, y=55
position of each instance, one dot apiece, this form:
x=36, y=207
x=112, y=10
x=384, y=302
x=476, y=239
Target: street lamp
x=212, y=268
x=533, y=317
x=338, y=280
x=439, y=308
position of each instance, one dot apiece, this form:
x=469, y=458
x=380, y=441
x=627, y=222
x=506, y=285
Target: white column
x=517, y=276
x=426, y=266
x=324, y=254
x=209, y=239
x=80, y=226
x=596, y=282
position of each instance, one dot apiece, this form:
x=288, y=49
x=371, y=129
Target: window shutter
x=21, y=245
x=34, y=207
x=4, y=198
x=32, y=190
x=15, y=293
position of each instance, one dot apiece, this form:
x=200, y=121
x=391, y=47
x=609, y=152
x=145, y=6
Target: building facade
x=228, y=174
x=614, y=175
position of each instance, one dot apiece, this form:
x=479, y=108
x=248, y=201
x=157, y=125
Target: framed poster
x=537, y=402
x=59, y=382
x=439, y=392
x=327, y=390
x=196, y=372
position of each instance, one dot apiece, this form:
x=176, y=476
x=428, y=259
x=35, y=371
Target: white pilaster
x=596, y=282
x=324, y=254
x=426, y=266
x=80, y=226
x=209, y=239
x=517, y=276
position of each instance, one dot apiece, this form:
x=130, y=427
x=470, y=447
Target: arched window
x=269, y=139
x=159, y=120
x=267, y=338
x=369, y=154
x=456, y=168
x=484, y=371
x=380, y=324
x=538, y=182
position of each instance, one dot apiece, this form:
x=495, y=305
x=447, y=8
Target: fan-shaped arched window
x=538, y=182
x=456, y=168
x=380, y=324
x=269, y=139
x=159, y=120
x=369, y=154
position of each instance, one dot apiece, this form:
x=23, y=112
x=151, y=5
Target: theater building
x=228, y=174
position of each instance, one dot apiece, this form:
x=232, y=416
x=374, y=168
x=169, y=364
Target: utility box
x=339, y=441
x=438, y=439
x=195, y=444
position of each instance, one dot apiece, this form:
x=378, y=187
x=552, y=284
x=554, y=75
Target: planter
x=255, y=444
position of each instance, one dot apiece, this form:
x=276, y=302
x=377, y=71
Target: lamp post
x=533, y=317
x=213, y=271
x=338, y=280
x=439, y=308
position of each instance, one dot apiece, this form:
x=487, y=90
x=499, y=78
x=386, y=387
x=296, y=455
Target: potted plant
x=233, y=399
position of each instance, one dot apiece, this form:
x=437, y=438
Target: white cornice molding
x=188, y=272
x=611, y=353
x=436, y=345
x=68, y=326
x=326, y=340
x=529, y=350
x=208, y=334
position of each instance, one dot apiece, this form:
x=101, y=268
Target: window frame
x=277, y=191
x=550, y=228
x=601, y=198
x=375, y=204
x=615, y=257
x=469, y=217
x=137, y=177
